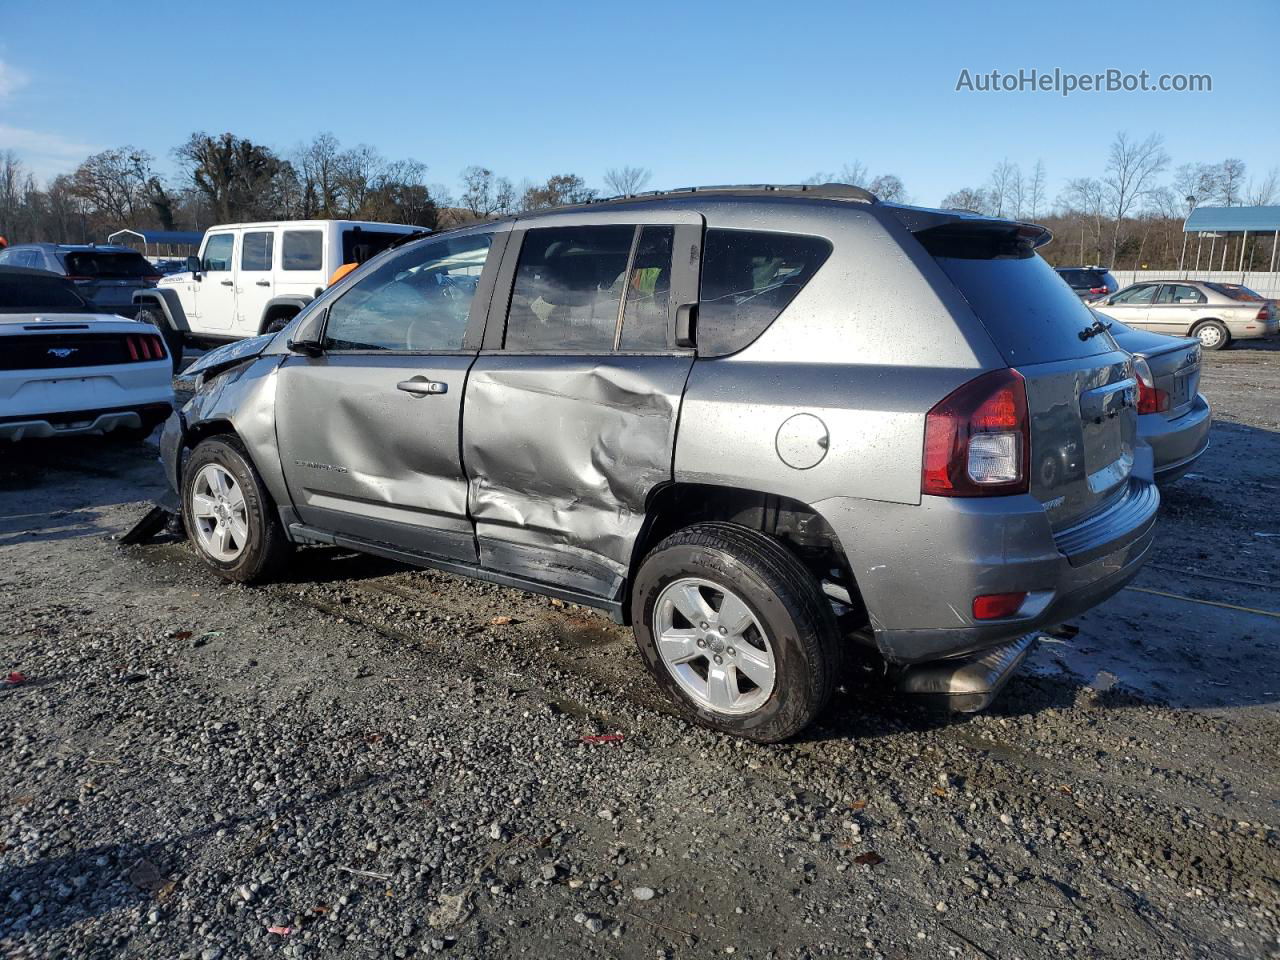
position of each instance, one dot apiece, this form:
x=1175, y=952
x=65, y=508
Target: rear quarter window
x=1029, y=313
x=302, y=250
x=748, y=278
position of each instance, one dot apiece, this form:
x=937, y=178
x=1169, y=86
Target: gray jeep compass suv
x=758, y=424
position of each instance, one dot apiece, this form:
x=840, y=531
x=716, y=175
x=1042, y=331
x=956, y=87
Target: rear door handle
x=228, y=283
x=263, y=283
x=422, y=387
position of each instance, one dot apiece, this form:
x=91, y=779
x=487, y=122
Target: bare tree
x=624, y=181
x=11, y=196
x=1231, y=181
x=1000, y=188
x=888, y=187
x=1036, y=187
x=484, y=195
x=1265, y=191
x=559, y=190
x=239, y=179
x=114, y=182
x=854, y=173
x=320, y=165
x=1132, y=167
x=966, y=198
x=1087, y=197
x=1198, y=180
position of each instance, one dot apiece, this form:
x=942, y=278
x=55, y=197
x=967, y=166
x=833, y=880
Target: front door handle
x=422, y=387
x=228, y=283
x=263, y=283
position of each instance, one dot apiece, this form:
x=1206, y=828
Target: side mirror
x=193, y=267
x=687, y=325
x=308, y=337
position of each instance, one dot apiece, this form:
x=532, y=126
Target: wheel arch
x=799, y=527
x=169, y=305
x=280, y=307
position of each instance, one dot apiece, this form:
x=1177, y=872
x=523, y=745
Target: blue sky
x=699, y=93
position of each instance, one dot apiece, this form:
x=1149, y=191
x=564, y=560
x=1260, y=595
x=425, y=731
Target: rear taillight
x=997, y=606
x=1151, y=399
x=1263, y=314
x=977, y=441
x=145, y=346
x=1097, y=289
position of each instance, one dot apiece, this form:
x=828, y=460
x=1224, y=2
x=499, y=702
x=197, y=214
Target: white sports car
x=66, y=370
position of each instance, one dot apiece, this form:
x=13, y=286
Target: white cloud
x=44, y=154
x=11, y=80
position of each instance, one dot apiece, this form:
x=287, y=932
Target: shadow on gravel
x=69, y=888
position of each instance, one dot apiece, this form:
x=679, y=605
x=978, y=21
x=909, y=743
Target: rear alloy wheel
x=229, y=514
x=736, y=631
x=1212, y=335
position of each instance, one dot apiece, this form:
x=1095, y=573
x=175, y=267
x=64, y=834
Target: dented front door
x=570, y=417
x=368, y=429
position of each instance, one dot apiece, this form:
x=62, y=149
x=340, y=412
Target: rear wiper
x=1093, y=329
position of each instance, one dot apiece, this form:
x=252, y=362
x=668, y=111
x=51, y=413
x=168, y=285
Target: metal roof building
x=1223, y=223
x=161, y=238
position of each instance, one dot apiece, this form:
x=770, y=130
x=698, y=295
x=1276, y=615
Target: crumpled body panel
x=562, y=454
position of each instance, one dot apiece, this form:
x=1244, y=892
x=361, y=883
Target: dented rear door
x=571, y=410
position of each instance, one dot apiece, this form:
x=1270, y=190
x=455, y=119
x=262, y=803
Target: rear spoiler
x=960, y=233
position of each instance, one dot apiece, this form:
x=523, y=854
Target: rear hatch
x=1081, y=391
x=107, y=278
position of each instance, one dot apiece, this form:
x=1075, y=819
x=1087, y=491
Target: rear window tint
x=1030, y=314
x=1084, y=278
x=748, y=278
x=109, y=266
x=24, y=292
x=1236, y=292
x=359, y=245
x=302, y=250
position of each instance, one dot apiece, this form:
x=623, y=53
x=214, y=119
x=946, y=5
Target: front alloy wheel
x=218, y=512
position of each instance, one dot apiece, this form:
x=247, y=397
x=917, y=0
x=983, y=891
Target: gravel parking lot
x=373, y=761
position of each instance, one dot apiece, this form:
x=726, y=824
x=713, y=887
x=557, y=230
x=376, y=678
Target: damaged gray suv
x=759, y=424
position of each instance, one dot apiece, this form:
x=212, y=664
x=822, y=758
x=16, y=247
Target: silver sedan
x=1214, y=313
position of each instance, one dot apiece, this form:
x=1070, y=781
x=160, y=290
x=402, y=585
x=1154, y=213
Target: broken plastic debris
x=502, y=621
x=280, y=931
x=16, y=678
x=594, y=738
x=869, y=859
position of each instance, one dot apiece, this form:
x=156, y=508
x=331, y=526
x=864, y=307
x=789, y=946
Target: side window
x=648, y=304
x=1137, y=295
x=255, y=251
x=218, y=252
x=1180, y=293
x=418, y=300
x=302, y=250
x=29, y=258
x=748, y=278
x=568, y=288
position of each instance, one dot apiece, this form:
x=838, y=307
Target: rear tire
x=229, y=514
x=172, y=338
x=765, y=681
x=1212, y=335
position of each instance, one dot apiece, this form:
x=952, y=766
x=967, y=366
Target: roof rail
x=825, y=191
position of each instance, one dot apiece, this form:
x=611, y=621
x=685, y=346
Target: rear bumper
x=1177, y=444
x=919, y=567
x=1253, y=329
x=82, y=422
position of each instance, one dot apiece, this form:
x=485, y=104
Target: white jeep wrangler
x=250, y=278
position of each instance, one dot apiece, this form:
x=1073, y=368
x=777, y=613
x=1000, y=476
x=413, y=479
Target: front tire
x=229, y=515
x=1212, y=335
x=736, y=631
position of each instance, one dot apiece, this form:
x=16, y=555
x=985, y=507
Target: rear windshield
x=1236, y=292
x=359, y=245
x=1080, y=279
x=29, y=294
x=102, y=265
x=1031, y=315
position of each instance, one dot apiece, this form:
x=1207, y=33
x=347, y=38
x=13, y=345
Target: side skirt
x=301, y=533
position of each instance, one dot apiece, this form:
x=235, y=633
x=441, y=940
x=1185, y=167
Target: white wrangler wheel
x=219, y=516
x=713, y=646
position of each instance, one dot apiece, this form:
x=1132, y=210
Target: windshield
x=29, y=294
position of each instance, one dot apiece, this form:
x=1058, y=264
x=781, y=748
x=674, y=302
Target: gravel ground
x=373, y=761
